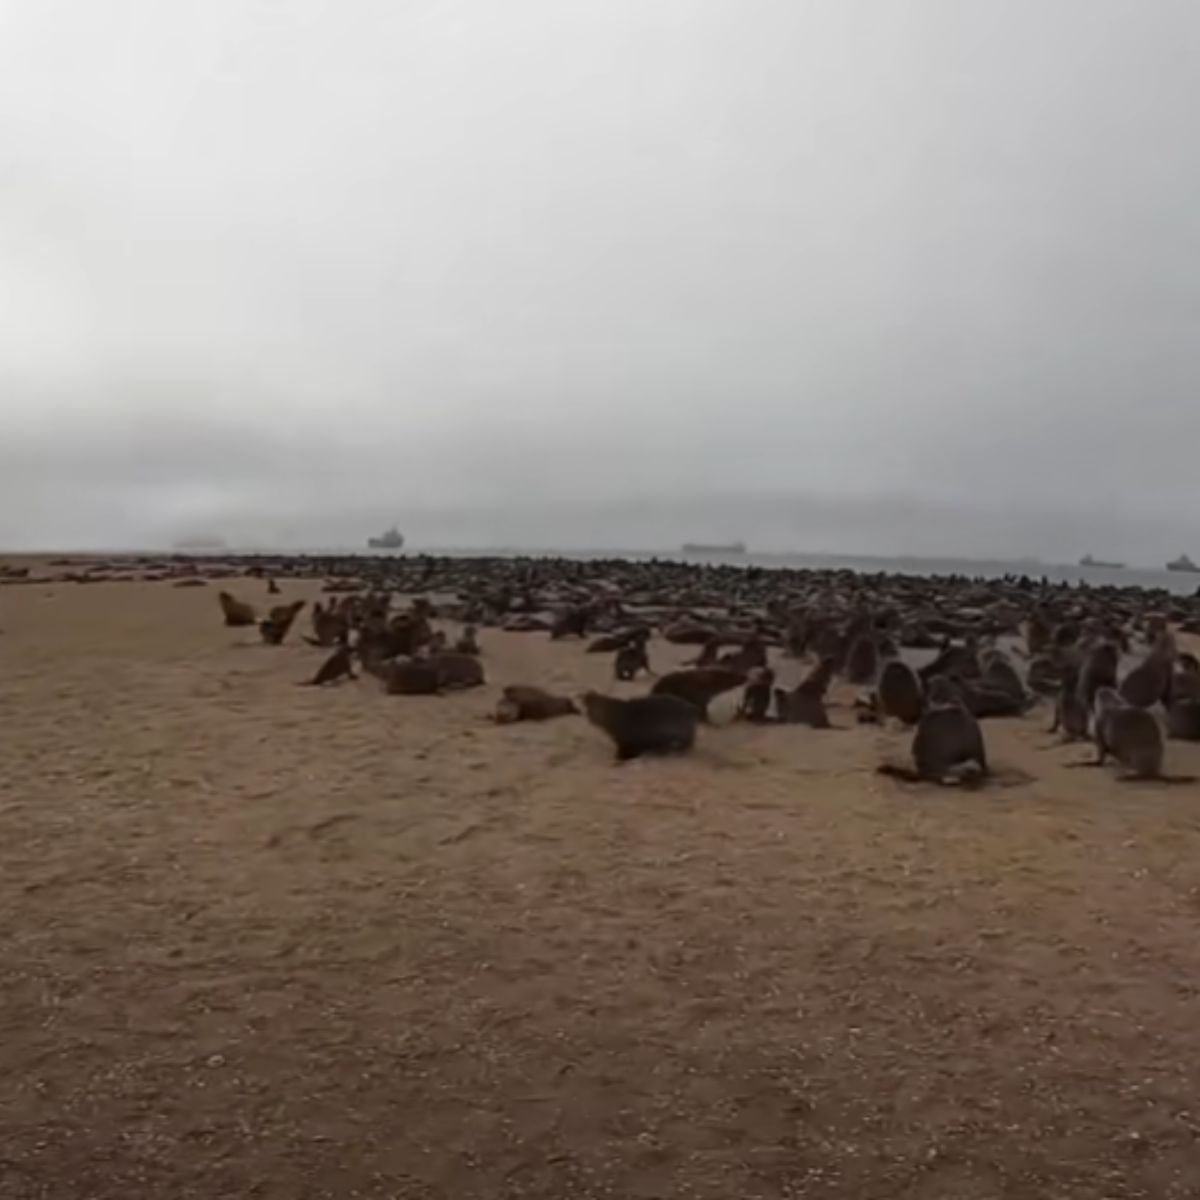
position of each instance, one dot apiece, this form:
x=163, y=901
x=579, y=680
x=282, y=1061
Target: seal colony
x=402, y=883
x=939, y=656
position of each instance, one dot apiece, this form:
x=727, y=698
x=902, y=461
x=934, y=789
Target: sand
x=259, y=940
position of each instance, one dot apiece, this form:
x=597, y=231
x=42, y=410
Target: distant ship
x=1182, y=563
x=1088, y=561
x=715, y=548
x=392, y=539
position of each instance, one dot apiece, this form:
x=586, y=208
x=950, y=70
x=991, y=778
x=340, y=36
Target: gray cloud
x=906, y=277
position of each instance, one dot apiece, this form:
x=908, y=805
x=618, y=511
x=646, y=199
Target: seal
x=1183, y=720
x=947, y=738
x=237, y=613
x=757, y=695
x=1071, y=713
x=899, y=692
x=456, y=671
x=523, y=703
x=630, y=659
x=862, y=660
x=1130, y=734
x=698, y=686
x=336, y=667
x=1099, y=670
x=655, y=724
x=274, y=628
x=1150, y=681
x=410, y=677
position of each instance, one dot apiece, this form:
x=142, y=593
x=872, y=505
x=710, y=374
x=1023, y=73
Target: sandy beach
x=258, y=940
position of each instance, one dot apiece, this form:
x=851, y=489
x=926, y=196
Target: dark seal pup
x=756, y=696
x=337, y=666
x=274, y=628
x=630, y=659
x=1131, y=735
x=410, y=677
x=656, y=724
x=898, y=692
x=947, y=738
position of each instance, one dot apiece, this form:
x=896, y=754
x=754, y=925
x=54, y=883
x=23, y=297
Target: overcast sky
x=873, y=275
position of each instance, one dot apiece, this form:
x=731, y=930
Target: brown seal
x=1071, y=714
x=523, y=703
x=410, y=677
x=799, y=707
x=1131, y=735
x=274, y=628
x=899, y=692
x=237, y=612
x=699, y=686
x=1099, y=670
x=862, y=660
x=607, y=643
x=337, y=666
x=947, y=738
x=655, y=724
x=272, y=587
x=457, y=670
x=1150, y=681
x=1183, y=720
x=756, y=698
x=630, y=659
x=329, y=627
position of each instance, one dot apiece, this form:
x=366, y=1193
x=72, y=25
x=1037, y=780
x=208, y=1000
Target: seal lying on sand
x=656, y=724
x=457, y=670
x=237, y=613
x=698, y=687
x=1132, y=736
x=409, y=677
x=523, y=703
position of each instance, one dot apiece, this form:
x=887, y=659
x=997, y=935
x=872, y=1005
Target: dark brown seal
x=756, y=697
x=336, y=667
x=862, y=660
x=699, y=686
x=630, y=659
x=899, y=692
x=947, y=738
x=1071, y=715
x=1131, y=735
x=1099, y=670
x=1183, y=720
x=1150, y=681
x=237, y=613
x=274, y=628
x=655, y=724
x=457, y=670
x=410, y=677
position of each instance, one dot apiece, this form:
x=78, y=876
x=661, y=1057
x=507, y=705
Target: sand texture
x=259, y=940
